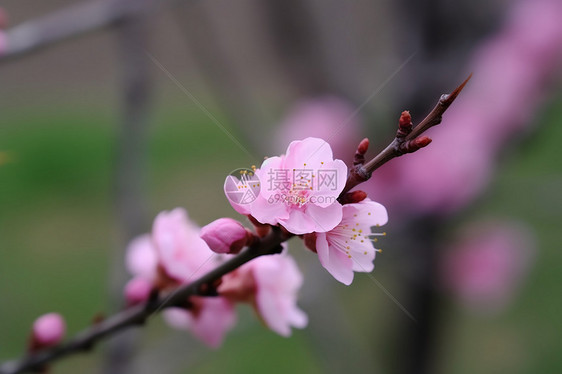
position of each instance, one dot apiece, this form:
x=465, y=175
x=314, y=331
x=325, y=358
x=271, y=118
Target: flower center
x=297, y=197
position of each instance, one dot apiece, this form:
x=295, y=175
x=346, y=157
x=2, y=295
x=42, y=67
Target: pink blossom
x=48, y=330
x=299, y=190
x=225, y=235
x=209, y=319
x=141, y=259
x=486, y=265
x=175, y=254
x=271, y=284
x=137, y=290
x=349, y=247
x=181, y=252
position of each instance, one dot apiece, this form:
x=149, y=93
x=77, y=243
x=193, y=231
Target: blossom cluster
x=177, y=252
x=310, y=182
x=174, y=254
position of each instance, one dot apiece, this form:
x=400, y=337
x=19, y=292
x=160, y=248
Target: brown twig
x=136, y=316
x=408, y=140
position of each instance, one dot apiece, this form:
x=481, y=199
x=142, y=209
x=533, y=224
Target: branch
x=138, y=315
x=407, y=140
x=70, y=22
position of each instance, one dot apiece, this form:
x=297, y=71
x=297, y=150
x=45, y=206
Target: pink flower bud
x=48, y=330
x=225, y=235
x=137, y=291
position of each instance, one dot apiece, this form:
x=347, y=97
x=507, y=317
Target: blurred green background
x=59, y=124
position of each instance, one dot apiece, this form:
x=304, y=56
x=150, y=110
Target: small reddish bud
x=404, y=125
x=225, y=235
x=405, y=120
x=48, y=330
x=137, y=291
x=359, y=158
x=422, y=141
x=414, y=144
x=98, y=318
x=353, y=197
x=363, y=146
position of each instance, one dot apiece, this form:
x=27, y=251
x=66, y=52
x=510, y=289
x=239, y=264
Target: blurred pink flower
x=137, y=290
x=225, y=235
x=141, y=259
x=349, y=247
x=485, y=267
x=175, y=254
x=293, y=192
x=511, y=72
x=174, y=250
x=327, y=117
x=209, y=319
x=271, y=284
x=48, y=330
x=182, y=254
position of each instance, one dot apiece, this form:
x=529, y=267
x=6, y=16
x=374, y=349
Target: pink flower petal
x=336, y=262
x=214, y=320
x=141, y=259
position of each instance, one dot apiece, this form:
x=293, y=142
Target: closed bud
x=137, y=291
x=48, y=330
x=225, y=235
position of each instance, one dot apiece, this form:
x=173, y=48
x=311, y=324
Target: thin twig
x=136, y=316
x=407, y=140
x=270, y=244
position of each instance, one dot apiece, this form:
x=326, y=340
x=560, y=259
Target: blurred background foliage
x=60, y=115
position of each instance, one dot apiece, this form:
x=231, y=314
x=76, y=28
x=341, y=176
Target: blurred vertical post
x=130, y=168
x=443, y=32
x=228, y=84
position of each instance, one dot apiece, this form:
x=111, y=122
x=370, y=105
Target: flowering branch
x=138, y=315
x=407, y=140
x=322, y=228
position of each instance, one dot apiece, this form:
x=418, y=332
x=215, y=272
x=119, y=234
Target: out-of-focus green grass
x=58, y=227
